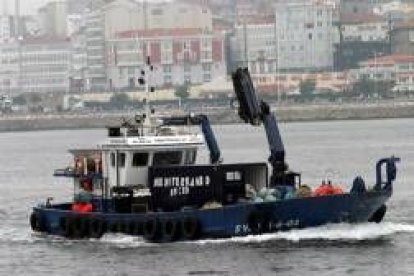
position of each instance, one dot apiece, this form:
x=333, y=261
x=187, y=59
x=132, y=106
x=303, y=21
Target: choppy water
x=339, y=150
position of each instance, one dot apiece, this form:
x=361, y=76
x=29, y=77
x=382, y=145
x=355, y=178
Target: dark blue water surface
x=339, y=150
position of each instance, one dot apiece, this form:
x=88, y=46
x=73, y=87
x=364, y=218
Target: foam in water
x=346, y=232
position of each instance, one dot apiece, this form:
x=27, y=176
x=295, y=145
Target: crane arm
x=203, y=121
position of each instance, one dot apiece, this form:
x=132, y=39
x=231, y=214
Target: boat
x=143, y=180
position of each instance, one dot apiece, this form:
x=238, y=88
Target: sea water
x=338, y=150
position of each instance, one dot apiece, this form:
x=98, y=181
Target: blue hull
x=232, y=220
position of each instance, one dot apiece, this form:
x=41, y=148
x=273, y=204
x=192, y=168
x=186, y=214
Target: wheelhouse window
x=113, y=162
x=140, y=159
x=167, y=158
x=190, y=157
x=121, y=159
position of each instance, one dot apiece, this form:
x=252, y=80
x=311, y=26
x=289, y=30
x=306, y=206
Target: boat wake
x=333, y=232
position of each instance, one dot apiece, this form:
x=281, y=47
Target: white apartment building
x=45, y=65
x=6, y=28
x=179, y=56
x=364, y=27
x=305, y=35
x=9, y=69
x=254, y=45
x=79, y=61
x=95, y=75
x=122, y=15
x=53, y=18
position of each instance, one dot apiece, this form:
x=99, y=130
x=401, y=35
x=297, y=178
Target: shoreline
x=284, y=113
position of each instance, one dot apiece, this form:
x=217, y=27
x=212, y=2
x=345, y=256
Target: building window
x=310, y=36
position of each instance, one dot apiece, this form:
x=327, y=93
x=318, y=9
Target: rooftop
x=361, y=18
x=160, y=32
x=388, y=60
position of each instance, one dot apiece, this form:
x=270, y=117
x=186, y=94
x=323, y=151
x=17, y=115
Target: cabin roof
x=85, y=152
x=145, y=142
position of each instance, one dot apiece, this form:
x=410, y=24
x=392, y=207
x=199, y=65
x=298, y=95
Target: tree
x=367, y=87
x=20, y=100
x=120, y=99
x=35, y=98
x=306, y=88
x=181, y=91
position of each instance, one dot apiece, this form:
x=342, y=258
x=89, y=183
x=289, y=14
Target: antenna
x=145, y=79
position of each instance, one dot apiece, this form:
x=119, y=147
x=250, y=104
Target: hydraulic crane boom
x=255, y=113
x=203, y=121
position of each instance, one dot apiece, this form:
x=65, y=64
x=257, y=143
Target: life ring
x=190, y=228
x=170, y=230
x=97, y=228
x=378, y=215
x=151, y=229
x=257, y=222
x=36, y=222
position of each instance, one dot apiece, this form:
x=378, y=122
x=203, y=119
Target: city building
x=45, y=65
x=402, y=38
x=123, y=15
x=53, y=18
x=6, y=28
x=179, y=56
x=79, y=61
x=359, y=6
x=95, y=75
x=289, y=83
x=362, y=36
x=305, y=35
x=9, y=69
x=254, y=45
x=395, y=68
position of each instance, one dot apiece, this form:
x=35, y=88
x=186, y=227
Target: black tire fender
x=170, y=230
x=151, y=229
x=66, y=226
x=190, y=228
